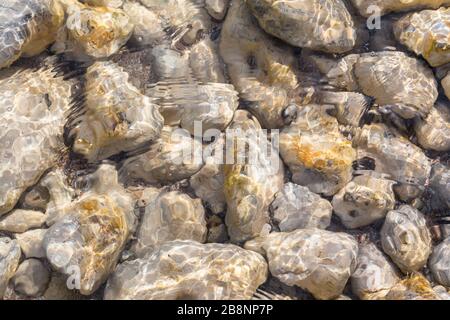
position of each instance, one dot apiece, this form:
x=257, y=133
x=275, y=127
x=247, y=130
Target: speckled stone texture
x=364, y=200
x=189, y=270
x=33, y=104
x=296, y=207
x=326, y=26
x=406, y=238
x=9, y=260
x=169, y=216
x=439, y=263
x=367, y=8
x=316, y=260
x=27, y=27
x=115, y=116
x=317, y=154
x=375, y=275
x=89, y=239
x=251, y=179
x=262, y=71
x=426, y=33
x=388, y=152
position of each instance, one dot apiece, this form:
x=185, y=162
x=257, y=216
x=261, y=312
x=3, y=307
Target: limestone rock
x=91, y=235
x=115, y=118
x=381, y=7
x=209, y=181
x=188, y=90
x=22, y=220
x=253, y=174
x=217, y=8
x=60, y=194
x=105, y=3
x=32, y=110
x=440, y=184
x=316, y=153
x=385, y=76
x=170, y=216
x=185, y=20
x=9, y=260
x=92, y=32
x=414, y=287
x=296, y=207
x=439, y=263
x=349, y=107
x=189, y=270
x=315, y=260
x=261, y=70
x=27, y=27
x=374, y=275
x=442, y=292
x=446, y=85
x=433, y=132
x=31, y=278
x=364, y=200
x=31, y=243
x=208, y=186
x=386, y=151
x=426, y=33
x=174, y=156
x=148, y=29
x=307, y=23
x=406, y=238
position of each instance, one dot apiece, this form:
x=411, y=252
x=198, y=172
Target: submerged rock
x=209, y=181
x=386, y=77
x=31, y=278
x=170, y=216
x=440, y=184
x=105, y=3
x=27, y=27
x=173, y=157
x=185, y=20
x=414, y=287
x=374, y=275
x=33, y=104
x=253, y=174
x=349, y=107
x=88, y=240
x=315, y=260
x=307, y=23
x=439, y=263
x=92, y=32
x=446, y=85
x=433, y=132
x=261, y=70
x=9, y=260
x=217, y=8
x=316, y=153
x=188, y=90
x=21, y=220
x=296, y=207
x=385, y=151
x=31, y=243
x=427, y=33
x=406, y=238
x=115, y=117
x=189, y=270
x=364, y=200
x=381, y=7
x=60, y=194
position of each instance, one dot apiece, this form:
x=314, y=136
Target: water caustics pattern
x=225, y=149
